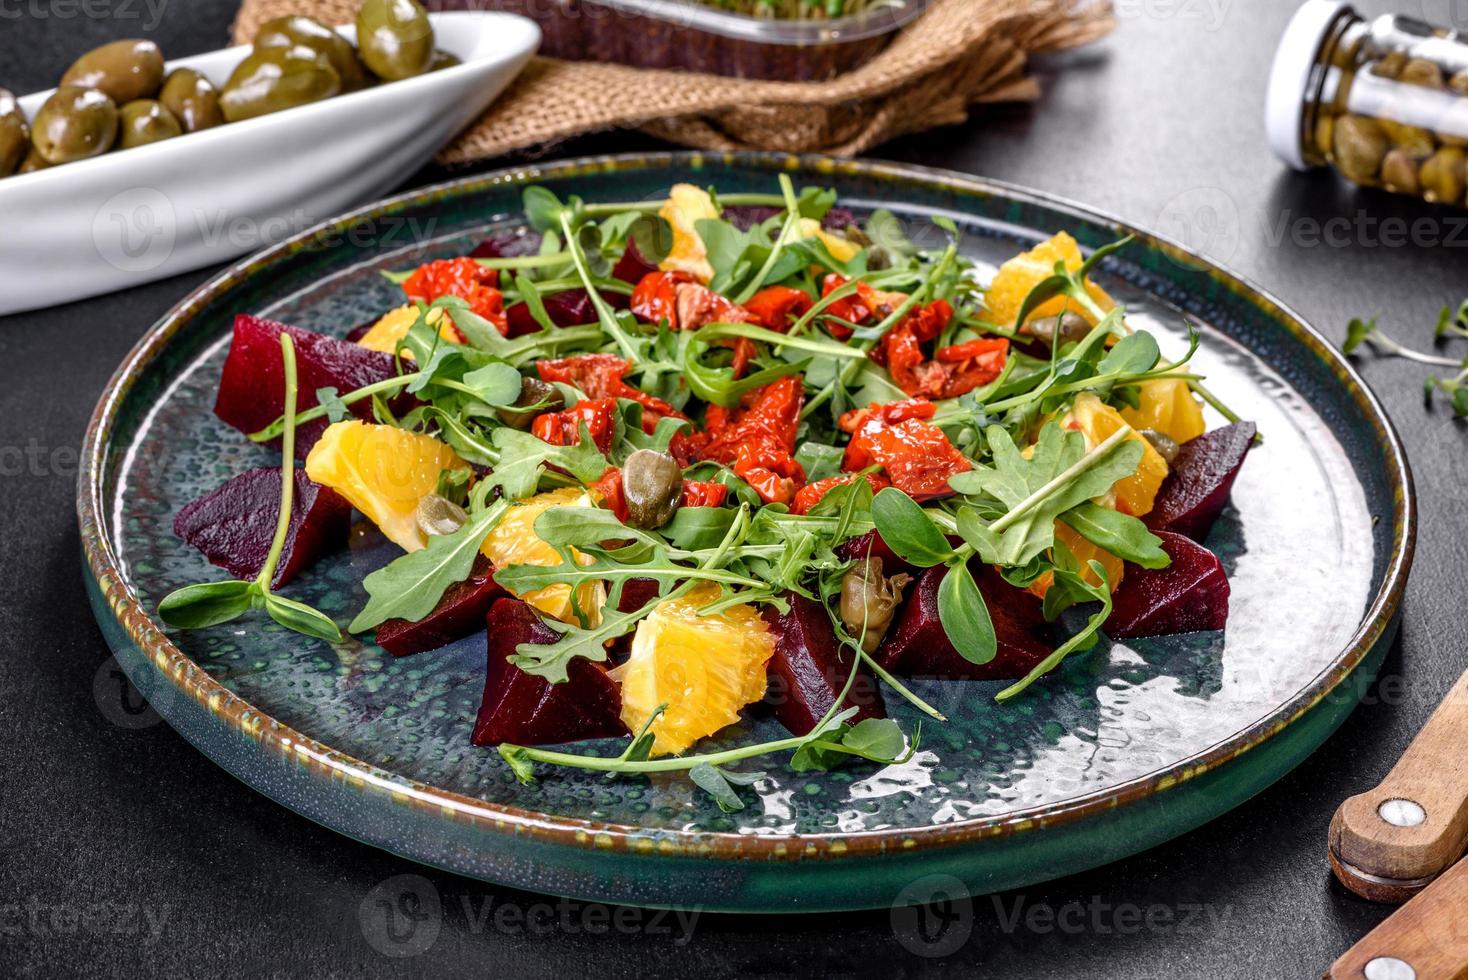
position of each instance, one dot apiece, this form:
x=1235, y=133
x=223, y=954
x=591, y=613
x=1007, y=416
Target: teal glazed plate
x=1125, y=747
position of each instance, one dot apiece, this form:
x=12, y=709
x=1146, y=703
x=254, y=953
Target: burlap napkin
x=959, y=53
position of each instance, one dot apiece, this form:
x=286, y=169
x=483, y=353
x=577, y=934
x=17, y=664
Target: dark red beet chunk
x=508, y=245
x=918, y=646
x=1187, y=596
x=630, y=268
x=528, y=710
x=810, y=668
x=460, y=612
x=234, y=524
x=252, y=387
x=871, y=543
x=1201, y=477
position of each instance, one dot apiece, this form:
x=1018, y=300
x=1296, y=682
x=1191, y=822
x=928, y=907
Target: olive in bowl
x=193, y=100
x=272, y=79
x=144, y=121
x=123, y=70
x=395, y=38
x=286, y=32
x=15, y=133
x=74, y=124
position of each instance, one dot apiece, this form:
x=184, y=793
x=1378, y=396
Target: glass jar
x=1384, y=102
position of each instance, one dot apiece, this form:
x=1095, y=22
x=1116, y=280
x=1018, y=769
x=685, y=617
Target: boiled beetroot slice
x=234, y=524
x=1201, y=477
x=527, y=710
x=918, y=646
x=808, y=671
x=1187, y=596
x=459, y=613
x=871, y=543
x=252, y=387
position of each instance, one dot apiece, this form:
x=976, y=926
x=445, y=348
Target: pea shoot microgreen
x=1452, y=322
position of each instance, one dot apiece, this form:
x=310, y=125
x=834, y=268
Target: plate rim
x=240, y=715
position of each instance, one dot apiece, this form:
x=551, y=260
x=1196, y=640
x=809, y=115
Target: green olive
x=15, y=134
x=1420, y=71
x=193, y=100
x=442, y=60
x=1360, y=146
x=1399, y=172
x=33, y=161
x=869, y=600
x=1443, y=174
x=122, y=70
x=1067, y=328
x=285, y=32
x=273, y=79
x=145, y=121
x=652, y=485
x=536, y=396
x=75, y=124
x=395, y=38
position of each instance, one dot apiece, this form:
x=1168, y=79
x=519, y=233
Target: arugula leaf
x=908, y=530
x=523, y=458
x=819, y=460
x=550, y=660
x=696, y=528
x=1086, y=638
x=411, y=585
x=1124, y=536
x=965, y=616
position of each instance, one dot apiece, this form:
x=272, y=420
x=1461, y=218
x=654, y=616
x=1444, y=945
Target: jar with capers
x=1384, y=102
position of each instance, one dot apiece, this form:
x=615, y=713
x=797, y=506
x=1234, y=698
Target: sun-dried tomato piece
x=777, y=307
x=953, y=371
x=812, y=493
x=697, y=493
x=601, y=376
x=464, y=278
x=758, y=439
x=866, y=304
x=564, y=428
x=610, y=489
x=683, y=301
x=917, y=457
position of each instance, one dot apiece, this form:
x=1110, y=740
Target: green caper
x=437, y=516
x=536, y=396
x=273, y=79
x=1360, y=146
x=1420, y=71
x=1324, y=133
x=1399, y=172
x=1442, y=176
x=1067, y=328
x=15, y=133
x=123, y=70
x=145, y=121
x=193, y=100
x=1390, y=66
x=394, y=38
x=75, y=124
x=652, y=485
x=1165, y=444
x=1417, y=142
x=1459, y=82
x=442, y=59
x=285, y=32
x=868, y=601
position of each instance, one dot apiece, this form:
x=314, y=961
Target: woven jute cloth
x=958, y=54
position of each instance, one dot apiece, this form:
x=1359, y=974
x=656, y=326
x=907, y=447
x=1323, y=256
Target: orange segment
x=704, y=668
x=685, y=205
x=1084, y=552
x=1021, y=274
x=384, y=471
x=1168, y=407
x=388, y=332
x=513, y=542
x=841, y=249
x=1134, y=494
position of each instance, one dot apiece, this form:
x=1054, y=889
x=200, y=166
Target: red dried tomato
x=777, y=307
x=600, y=376
x=564, y=428
x=464, y=278
x=954, y=371
x=610, y=489
x=683, y=301
x=698, y=493
x=859, y=307
x=917, y=457
x=810, y=494
x=758, y=439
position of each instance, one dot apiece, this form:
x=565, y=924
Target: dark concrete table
x=123, y=851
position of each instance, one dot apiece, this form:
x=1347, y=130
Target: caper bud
x=1399, y=172
x=652, y=485
x=1416, y=141
x=1390, y=66
x=1066, y=328
x=437, y=516
x=1459, y=82
x=1165, y=444
x=15, y=133
x=74, y=124
x=1360, y=146
x=1442, y=176
x=193, y=100
x=122, y=70
x=286, y=32
x=394, y=38
x=536, y=396
x=1420, y=71
x=272, y=79
x=869, y=600
x=1324, y=134
x=145, y=121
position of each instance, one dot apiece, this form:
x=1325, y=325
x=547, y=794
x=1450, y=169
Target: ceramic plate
x=1127, y=746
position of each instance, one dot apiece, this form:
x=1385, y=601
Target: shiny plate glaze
x=1125, y=747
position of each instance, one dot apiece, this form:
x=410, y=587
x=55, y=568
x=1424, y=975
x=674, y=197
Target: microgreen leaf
x=908, y=530
x=716, y=782
x=965, y=616
x=495, y=384
x=331, y=403
x=879, y=738
x=301, y=618
x=206, y=604
x=542, y=208
x=1356, y=333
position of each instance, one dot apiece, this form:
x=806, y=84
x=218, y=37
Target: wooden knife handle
x=1415, y=824
x=1426, y=939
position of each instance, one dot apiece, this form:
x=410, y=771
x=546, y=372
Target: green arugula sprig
x=213, y=603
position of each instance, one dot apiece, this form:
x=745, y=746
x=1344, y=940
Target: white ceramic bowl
x=132, y=216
